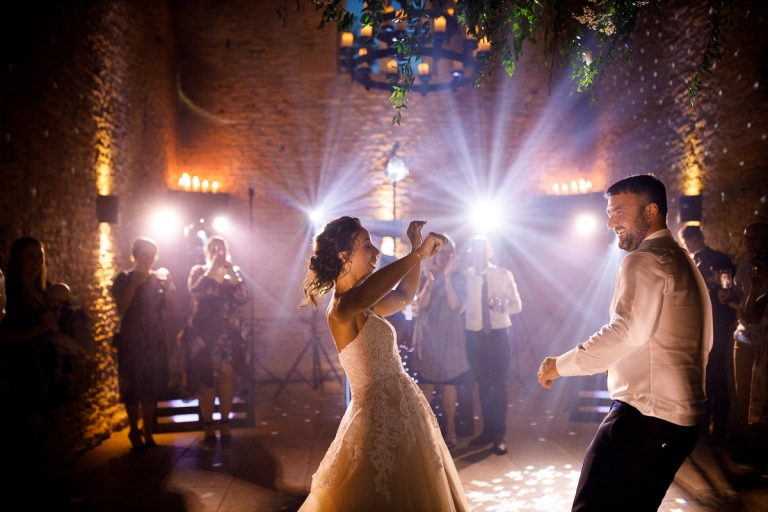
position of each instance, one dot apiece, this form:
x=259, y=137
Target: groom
x=655, y=350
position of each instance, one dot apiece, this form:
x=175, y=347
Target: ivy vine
x=508, y=25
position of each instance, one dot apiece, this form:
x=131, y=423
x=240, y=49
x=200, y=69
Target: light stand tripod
x=252, y=336
x=318, y=373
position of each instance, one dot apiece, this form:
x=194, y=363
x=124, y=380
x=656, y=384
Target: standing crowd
x=44, y=332
x=685, y=351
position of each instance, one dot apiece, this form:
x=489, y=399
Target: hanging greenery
x=560, y=26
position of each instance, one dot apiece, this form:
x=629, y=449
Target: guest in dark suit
x=717, y=270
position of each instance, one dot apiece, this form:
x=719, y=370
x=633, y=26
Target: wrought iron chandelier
x=450, y=59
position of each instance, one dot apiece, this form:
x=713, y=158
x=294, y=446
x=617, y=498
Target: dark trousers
x=489, y=358
x=718, y=400
x=632, y=461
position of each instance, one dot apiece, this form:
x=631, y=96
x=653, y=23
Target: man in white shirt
x=491, y=297
x=655, y=350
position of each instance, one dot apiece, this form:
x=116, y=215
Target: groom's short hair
x=647, y=186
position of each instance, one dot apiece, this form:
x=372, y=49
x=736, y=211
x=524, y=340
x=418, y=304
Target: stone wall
x=719, y=147
x=87, y=107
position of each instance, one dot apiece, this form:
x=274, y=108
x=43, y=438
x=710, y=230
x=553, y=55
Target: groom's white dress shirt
x=656, y=345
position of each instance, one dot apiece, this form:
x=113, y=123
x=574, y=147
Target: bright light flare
x=316, y=217
x=166, y=223
x=586, y=224
x=486, y=217
x=221, y=224
x=388, y=246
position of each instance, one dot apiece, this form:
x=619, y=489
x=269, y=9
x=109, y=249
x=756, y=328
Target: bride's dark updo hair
x=325, y=265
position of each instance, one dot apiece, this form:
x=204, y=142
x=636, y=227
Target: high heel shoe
x=149, y=441
x=226, y=433
x=210, y=432
x=137, y=445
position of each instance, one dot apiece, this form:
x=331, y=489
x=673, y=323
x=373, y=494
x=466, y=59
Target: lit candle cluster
x=576, y=187
x=194, y=184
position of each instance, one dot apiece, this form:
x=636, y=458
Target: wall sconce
x=689, y=209
x=107, y=209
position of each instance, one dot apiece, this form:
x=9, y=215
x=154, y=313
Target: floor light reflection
x=546, y=488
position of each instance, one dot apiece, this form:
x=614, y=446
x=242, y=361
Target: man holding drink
x=717, y=270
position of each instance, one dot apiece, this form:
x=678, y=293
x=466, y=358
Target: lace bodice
x=372, y=356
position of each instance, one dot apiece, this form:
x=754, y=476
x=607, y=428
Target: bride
x=388, y=453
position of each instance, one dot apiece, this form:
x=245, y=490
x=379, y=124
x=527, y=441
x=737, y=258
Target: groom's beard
x=634, y=236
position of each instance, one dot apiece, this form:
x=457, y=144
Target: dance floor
x=269, y=467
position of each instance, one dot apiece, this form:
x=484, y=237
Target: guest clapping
x=438, y=337
x=142, y=298
x=215, y=345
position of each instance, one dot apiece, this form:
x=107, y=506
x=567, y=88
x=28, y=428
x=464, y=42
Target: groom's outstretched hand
x=548, y=372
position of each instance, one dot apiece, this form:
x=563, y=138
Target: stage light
x=220, y=224
x=202, y=235
x=486, y=217
x=387, y=246
x=316, y=217
x=586, y=224
x=166, y=223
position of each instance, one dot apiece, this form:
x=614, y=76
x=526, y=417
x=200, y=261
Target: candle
x=440, y=24
x=215, y=187
x=423, y=69
x=556, y=188
x=483, y=45
x=450, y=11
x=184, y=181
x=205, y=185
x=195, y=183
x=347, y=39
x=362, y=53
x=366, y=31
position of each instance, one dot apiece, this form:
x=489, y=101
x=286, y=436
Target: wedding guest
x=491, y=298
x=142, y=299
x=746, y=335
x=755, y=316
x=35, y=381
x=717, y=270
x=71, y=320
x=215, y=346
x=3, y=299
x=438, y=336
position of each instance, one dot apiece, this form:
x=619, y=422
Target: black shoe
x=748, y=457
x=500, y=448
x=481, y=440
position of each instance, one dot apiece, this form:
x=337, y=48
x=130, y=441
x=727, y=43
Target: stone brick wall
x=720, y=145
x=87, y=106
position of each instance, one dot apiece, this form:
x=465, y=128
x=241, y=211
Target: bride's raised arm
x=376, y=291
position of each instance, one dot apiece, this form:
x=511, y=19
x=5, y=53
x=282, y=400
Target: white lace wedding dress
x=388, y=454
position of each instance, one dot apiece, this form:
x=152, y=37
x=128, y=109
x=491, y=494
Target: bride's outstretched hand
x=431, y=245
x=414, y=233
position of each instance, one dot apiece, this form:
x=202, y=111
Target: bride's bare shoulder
x=344, y=331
